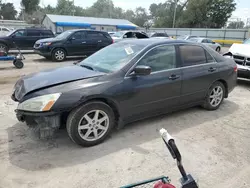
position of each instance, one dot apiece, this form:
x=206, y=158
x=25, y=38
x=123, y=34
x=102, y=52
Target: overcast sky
x=243, y=6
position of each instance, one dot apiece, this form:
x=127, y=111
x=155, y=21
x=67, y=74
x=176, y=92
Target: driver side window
x=160, y=58
x=20, y=33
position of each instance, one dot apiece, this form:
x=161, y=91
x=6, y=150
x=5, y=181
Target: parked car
x=124, y=82
x=156, y=34
x=186, y=37
x=121, y=35
x=23, y=38
x=111, y=33
x=241, y=55
x=77, y=42
x=207, y=42
x=4, y=31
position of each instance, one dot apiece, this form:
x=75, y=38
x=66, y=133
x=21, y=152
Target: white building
x=60, y=23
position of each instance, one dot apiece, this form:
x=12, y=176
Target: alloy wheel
x=216, y=96
x=59, y=55
x=93, y=125
x=2, y=48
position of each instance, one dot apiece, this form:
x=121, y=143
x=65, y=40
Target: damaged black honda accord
x=124, y=82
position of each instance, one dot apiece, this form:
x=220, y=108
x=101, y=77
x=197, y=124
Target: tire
x=215, y=102
x=218, y=49
x=93, y=127
x=59, y=55
x=18, y=64
x=4, y=47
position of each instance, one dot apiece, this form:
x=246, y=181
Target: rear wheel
x=58, y=55
x=91, y=123
x=215, y=96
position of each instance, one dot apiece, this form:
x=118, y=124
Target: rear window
x=33, y=33
x=47, y=33
x=91, y=34
x=192, y=55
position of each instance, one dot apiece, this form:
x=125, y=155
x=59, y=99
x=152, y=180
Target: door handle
x=173, y=77
x=211, y=69
x=84, y=42
x=99, y=41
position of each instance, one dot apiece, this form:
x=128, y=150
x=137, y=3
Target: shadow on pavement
x=28, y=152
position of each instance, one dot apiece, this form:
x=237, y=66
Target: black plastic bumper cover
x=44, y=123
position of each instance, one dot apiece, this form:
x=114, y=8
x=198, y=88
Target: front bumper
x=43, y=51
x=243, y=72
x=45, y=124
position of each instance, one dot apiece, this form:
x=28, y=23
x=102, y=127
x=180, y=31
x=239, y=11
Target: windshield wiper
x=88, y=67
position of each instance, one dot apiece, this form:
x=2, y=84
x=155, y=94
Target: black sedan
x=124, y=82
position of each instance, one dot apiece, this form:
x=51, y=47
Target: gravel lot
x=214, y=145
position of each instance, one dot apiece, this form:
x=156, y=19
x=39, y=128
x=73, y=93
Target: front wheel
x=18, y=64
x=58, y=55
x=90, y=124
x=215, y=96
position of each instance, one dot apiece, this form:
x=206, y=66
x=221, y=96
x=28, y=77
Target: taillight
x=235, y=68
x=113, y=41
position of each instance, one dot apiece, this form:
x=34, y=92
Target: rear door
x=94, y=41
x=199, y=71
x=32, y=37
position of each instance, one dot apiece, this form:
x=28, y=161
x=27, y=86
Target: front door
x=19, y=38
x=199, y=71
x=77, y=44
x=161, y=89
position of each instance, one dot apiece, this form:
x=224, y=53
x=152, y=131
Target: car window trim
x=127, y=75
x=204, y=52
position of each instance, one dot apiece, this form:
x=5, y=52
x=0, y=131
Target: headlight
x=46, y=43
x=39, y=104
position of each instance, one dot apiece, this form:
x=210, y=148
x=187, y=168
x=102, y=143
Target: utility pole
x=175, y=7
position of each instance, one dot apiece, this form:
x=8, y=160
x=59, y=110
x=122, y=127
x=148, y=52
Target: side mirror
x=142, y=70
x=125, y=36
x=73, y=38
x=13, y=36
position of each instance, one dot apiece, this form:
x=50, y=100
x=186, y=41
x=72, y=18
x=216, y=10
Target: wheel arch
x=60, y=48
x=111, y=103
x=225, y=85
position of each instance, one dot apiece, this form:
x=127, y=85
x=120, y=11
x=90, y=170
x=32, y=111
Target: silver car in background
x=207, y=42
x=121, y=35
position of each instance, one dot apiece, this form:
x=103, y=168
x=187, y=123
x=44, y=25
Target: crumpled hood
x=240, y=49
x=52, y=77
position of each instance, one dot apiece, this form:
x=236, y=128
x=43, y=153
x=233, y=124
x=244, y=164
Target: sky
x=242, y=11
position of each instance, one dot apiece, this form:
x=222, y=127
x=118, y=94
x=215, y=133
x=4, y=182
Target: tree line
x=186, y=13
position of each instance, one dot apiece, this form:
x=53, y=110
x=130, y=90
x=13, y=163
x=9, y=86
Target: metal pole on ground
x=175, y=7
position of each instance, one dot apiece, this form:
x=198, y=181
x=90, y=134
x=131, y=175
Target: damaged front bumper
x=45, y=124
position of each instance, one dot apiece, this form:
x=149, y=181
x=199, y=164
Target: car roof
x=74, y=30
x=152, y=41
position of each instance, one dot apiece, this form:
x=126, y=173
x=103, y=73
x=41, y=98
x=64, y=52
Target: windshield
x=247, y=41
x=182, y=37
x=64, y=35
x=118, y=34
x=113, y=57
x=193, y=40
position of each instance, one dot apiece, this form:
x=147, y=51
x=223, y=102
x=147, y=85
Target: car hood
x=240, y=49
x=50, y=78
x=47, y=40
